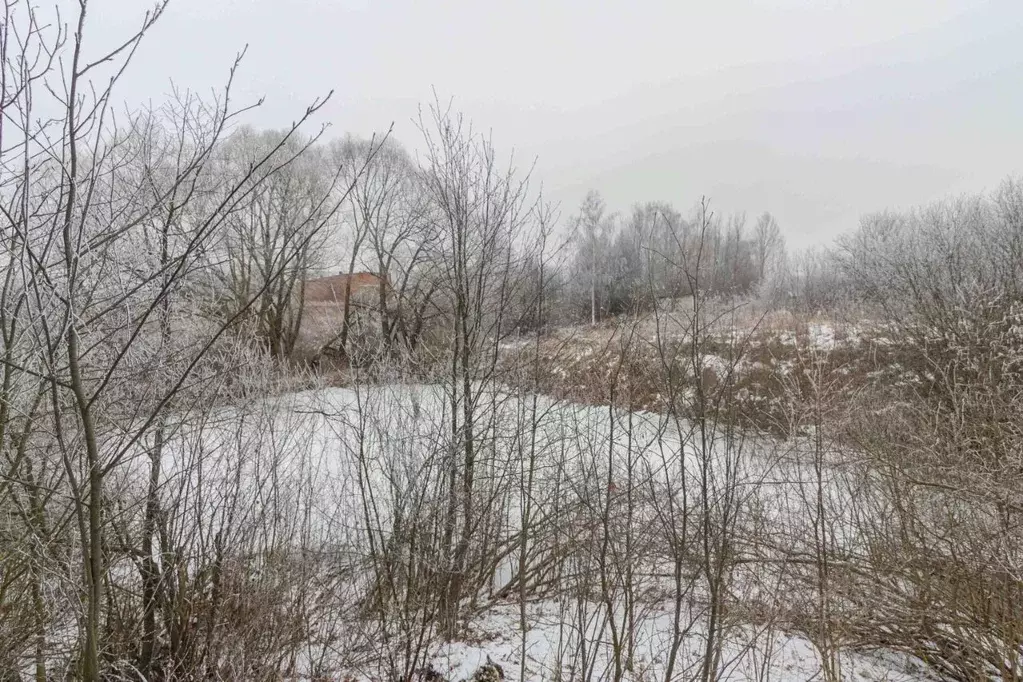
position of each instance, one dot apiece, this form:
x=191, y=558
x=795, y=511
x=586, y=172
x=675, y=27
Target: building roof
x=331, y=289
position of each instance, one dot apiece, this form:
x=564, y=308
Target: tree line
x=175, y=505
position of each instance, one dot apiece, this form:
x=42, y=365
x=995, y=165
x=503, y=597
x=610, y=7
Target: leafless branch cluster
x=174, y=505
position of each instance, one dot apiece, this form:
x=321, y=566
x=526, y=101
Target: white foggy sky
x=815, y=110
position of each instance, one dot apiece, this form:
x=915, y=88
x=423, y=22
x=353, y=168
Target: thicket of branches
x=173, y=507
x=946, y=280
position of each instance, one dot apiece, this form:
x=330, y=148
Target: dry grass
x=752, y=365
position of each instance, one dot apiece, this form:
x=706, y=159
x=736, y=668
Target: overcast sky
x=815, y=110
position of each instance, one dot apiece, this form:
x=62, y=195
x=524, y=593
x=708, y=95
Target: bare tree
x=275, y=237
x=593, y=226
x=480, y=209
x=389, y=215
x=103, y=247
x=768, y=245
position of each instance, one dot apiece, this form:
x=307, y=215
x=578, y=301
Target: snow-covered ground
x=324, y=470
x=753, y=654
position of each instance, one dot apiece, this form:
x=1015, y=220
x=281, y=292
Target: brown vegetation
x=666, y=425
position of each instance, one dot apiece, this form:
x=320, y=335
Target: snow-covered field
x=329, y=471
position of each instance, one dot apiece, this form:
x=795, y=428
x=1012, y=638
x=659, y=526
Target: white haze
x=816, y=111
